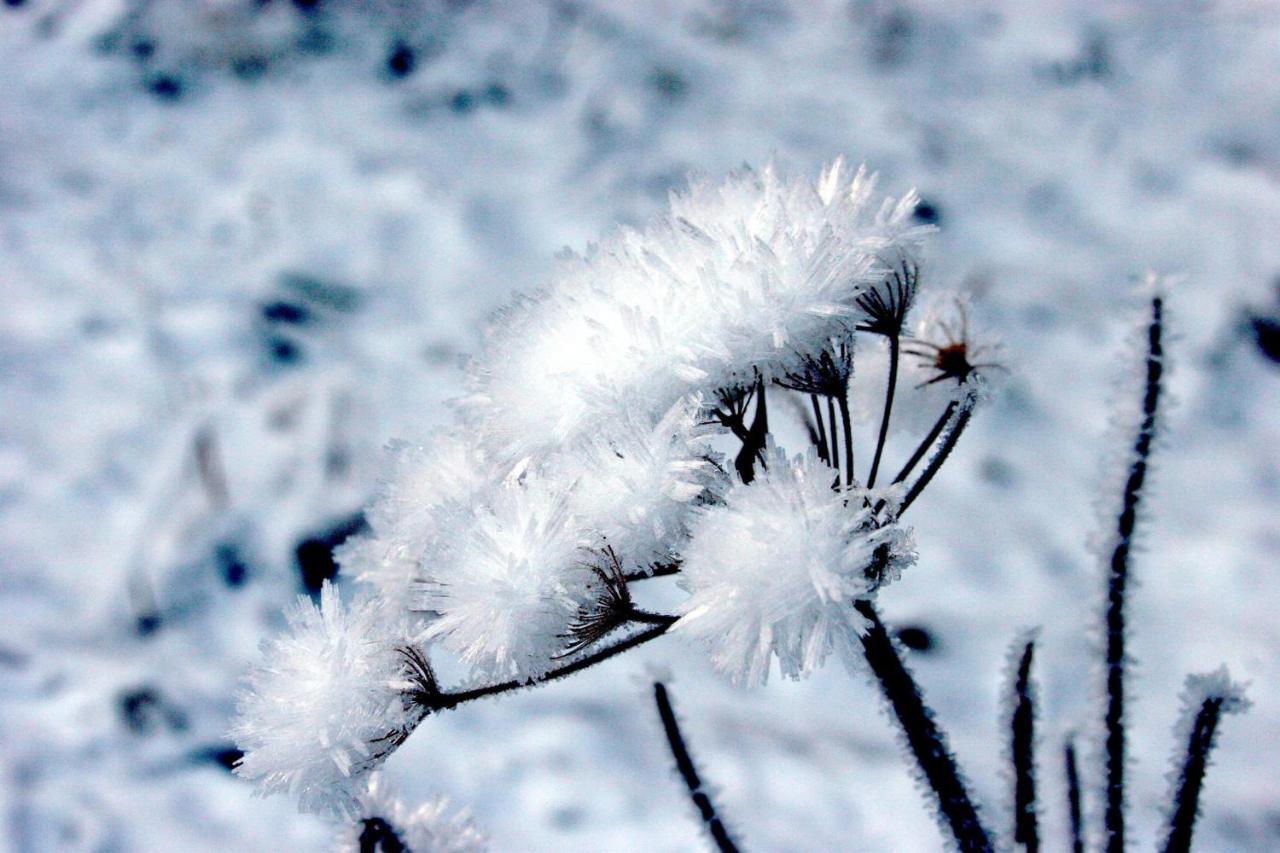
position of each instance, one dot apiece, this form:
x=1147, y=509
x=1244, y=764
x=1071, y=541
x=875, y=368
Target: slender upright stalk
x=753, y=442
x=1022, y=754
x=847, y=422
x=442, y=701
x=833, y=444
x=888, y=410
x=926, y=740
x=823, y=453
x=964, y=411
x=1186, y=805
x=1118, y=582
x=689, y=773
x=926, y=442
x=1073, y=796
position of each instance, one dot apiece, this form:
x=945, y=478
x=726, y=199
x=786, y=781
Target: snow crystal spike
x=1073, y=796
x=1022, y=723
x=689, y=772
x=926, y=740
x=1118, y=581
x=1205, y=699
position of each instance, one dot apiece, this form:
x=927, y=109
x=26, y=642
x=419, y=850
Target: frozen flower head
x=773, y=571
x=637, y=484
x=744, y=277
x=328, y=702
x=946, y=347
x=384, y=824
x=507, y=582
x=405, y=516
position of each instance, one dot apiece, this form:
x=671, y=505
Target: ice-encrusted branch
x=689, y=772
x=1022, y=721
x=1205, y=699
x=1074, y=810
x=953, y=430
x=924, y=738
x=1136, y=468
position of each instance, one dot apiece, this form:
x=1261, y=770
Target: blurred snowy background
x=243, y=244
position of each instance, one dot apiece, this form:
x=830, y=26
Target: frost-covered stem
x=658, y=572
x=379, y=836
x=661, y=624
x=753, y=442
x=958, y=423
x=1022, y=752
x=926, y=443
x=846, y=421
x=834, y=445
x=689, y=772
x=646, y=618
x=927, y=742
x=823, y=453
x=888, y=411
x=1186, y=805
x=1118, y=581
x=1073, y=797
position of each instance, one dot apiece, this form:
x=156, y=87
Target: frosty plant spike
x=621, y=426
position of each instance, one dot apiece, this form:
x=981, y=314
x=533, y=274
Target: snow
x=160, y=434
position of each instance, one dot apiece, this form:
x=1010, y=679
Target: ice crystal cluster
x=623, y=424
x=384, y=823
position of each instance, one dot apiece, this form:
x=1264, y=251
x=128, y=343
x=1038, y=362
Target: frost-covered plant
x=626, y=424
x=383, y=823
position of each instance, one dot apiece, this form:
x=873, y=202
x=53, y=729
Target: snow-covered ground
x=242, y=245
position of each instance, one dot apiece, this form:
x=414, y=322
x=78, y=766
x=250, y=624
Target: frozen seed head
x=745, y=276
x=406, y=515
x=826, y=372
x=504, y=585
x=635, y=484
x=773, y=572
x=382, y=823
x=947, y=348
x=885, y=305
x=328, y=701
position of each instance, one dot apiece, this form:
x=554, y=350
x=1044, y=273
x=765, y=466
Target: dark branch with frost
x=379, y=836
x=1118, y=582
x=689, y=772
x=1206, y=699
x=1074, y=810
x=924, y=738
x=1022, y=723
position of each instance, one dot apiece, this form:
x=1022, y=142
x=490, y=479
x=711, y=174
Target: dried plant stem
x=846, y=421
x=888, y=410
x=689, y=772
x=963, y=412
x=833, y=444
x=823, y=453
x=1074, y=809
x=1118, y=582
x=927, y=742
x=661, y=624
x=926, y=443
x=379, y=836
x=1186, y=805
x=1022, y=752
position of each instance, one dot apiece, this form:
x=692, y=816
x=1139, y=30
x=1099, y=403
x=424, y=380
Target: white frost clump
x=318, y=710
x=504, y=585
x=775, y=570
x=427, y=828
x=406, y=515
x=750, y=274
x=637, y=484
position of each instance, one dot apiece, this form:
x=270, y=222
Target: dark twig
x=894, y=356
x=753, y=442
x=379, y=836
x=661, y=571
x=1118, y=581
x=1073, y=796
x=964, y=411
x=926, y=442
x=927, y=742
x=823, y=453
x=1203, y=710
x=1022, y=752
x=689, y=772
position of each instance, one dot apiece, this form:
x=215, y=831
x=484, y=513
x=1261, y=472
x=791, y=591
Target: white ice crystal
x=507, y=582
x=749, y=274
x=406, y=515
x=637, y=483
x=318, y=710
x=430, y=827
x=773, y=572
